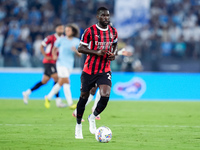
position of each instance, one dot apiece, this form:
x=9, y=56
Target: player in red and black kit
x=99, y=42
x=49, y=64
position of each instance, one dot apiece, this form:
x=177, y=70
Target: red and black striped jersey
x=48, y=42
x=96, y=39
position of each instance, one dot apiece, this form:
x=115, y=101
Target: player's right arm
x=84, y=43
x=54, y=53
x=43, y=53
x=85, y=50
x=45, y=42
x=55, y=49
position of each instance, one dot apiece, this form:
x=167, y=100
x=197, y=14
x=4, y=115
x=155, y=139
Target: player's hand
x=74, y=49
x=111, y=56
x=126, y=53
x=101, y=52
x=55, y=57
x=47, y=57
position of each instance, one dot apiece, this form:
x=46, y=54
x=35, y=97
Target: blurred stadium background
x=163, y=36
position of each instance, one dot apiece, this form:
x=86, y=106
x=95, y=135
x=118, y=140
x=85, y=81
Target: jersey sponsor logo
x=103, y=45
x=134, y=88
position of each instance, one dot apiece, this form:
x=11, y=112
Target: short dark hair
x=58, y=24
x=100, y=9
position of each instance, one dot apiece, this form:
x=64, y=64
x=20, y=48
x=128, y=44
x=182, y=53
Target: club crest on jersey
x=134, y=88
x=112, y=36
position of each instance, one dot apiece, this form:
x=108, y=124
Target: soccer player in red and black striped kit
x=49, y=64
x=99, y=42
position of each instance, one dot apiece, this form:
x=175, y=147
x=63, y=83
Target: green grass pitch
x=136, y=125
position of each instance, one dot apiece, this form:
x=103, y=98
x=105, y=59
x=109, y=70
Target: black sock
x=95, y=113
x=78, y=120
x=37, y=86
x=101, y=105
x=57, y=95
x=80, y=109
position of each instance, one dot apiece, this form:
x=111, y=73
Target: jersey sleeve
x=46, y=41
x=86, y=37
x=115, y=37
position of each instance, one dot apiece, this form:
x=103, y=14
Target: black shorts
x=90, y=81
x=49, y=69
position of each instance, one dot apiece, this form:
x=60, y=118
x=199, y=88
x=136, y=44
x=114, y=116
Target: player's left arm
x=44, y=43
x=124, y=52
x=111, y=55
x=76, y=51
x=114, y=48
x=75, y=47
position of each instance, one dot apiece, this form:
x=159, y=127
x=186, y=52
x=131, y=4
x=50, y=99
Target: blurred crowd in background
x=171, y=37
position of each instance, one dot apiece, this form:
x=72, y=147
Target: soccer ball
x=103, y=134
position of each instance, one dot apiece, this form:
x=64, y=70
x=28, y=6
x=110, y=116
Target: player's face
x=68, y=31
x=60, y=30
x=104, y=17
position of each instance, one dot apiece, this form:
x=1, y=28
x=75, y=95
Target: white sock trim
x=28, y=92
x=92, y=116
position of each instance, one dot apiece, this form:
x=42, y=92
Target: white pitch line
x=160, y=126
x=137, y=126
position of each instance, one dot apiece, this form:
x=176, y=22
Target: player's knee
x=93, y=90
x=84, y=95
x=44, y=82
x=66, y=80
x=55, y=79
x=82, y=101
x=105, y=90
x=105, y=93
